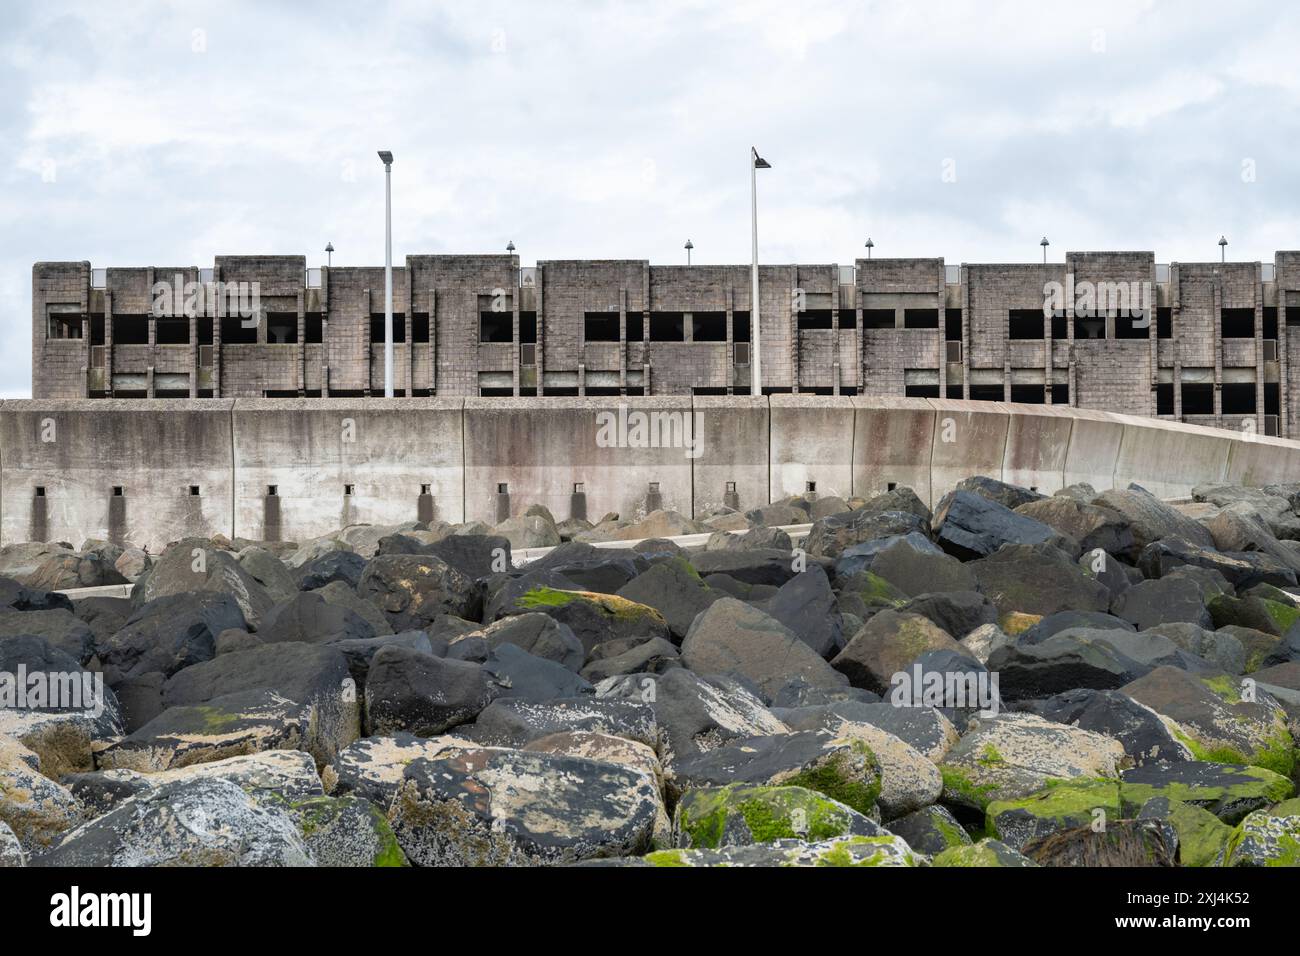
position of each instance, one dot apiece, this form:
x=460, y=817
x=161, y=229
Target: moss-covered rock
x=875, y=591
x=1215, y=722
x=1014, y=623
x=741, y=814
x=842, y=768
x=1264, y=839
x=986, y=852
x=1201, y=835
x=883, y=850
x=1229, y=791
x=930, y=830
x=1061, y=806
x=593, y=617
x=1014, y=755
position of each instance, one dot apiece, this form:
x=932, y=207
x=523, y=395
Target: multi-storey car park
x=1205, y=342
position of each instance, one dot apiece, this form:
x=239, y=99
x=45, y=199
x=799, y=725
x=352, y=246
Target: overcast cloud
x=141, y=133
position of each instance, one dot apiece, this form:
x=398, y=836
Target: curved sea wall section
x=284, y=469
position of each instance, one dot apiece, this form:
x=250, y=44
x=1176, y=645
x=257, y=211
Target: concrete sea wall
x=152, y=472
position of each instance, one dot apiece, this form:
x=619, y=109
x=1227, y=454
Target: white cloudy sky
x=173, y=132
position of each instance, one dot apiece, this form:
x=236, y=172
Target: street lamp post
x=387, y=159
x=756, y=162
x=1223, y=248
x=1044, y=243
x=689, y=246
x=329, y=253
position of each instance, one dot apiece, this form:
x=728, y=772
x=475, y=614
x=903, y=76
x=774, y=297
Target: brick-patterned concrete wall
x=58, y=365
x=1107, y=374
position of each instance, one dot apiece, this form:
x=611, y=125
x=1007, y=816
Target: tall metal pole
x=755, y=334
x=388, y=278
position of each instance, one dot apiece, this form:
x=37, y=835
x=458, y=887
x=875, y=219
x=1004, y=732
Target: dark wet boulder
x=19, y=597
x=1063, y=662
x=310, y=619
x=969, y=526
x=344, y=566
x=1163, y=601
x=58, y=626
x=673, y=588
x=361, y=652
x=1092, y=526
x=1065, y=620
x=807, y=606
x=916, y=568
x=168, y=634
x=516, y=673
x=412, y=590
x=1145, y=736
x=956, y=612
x=1038, y=580
x=759, y=566
x=421, y=694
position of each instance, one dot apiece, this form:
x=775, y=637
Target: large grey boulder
x=807, y=606
x=1145, y=736
x=887, y=645
x=1038, y=580
x=1163, y=601
x=1151, y=519
x=421, y=694
x=967, y=526
x=733, y=637
x=412, y=590
x=917, y=568
x=674, y=589
x=200, y=822
x=193, y=564
x=1091, y=525
x=58, y=626
x=168, y=634
x=693, y=714
x=508, y=807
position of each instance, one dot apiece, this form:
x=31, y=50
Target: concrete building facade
x=1201, y=343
